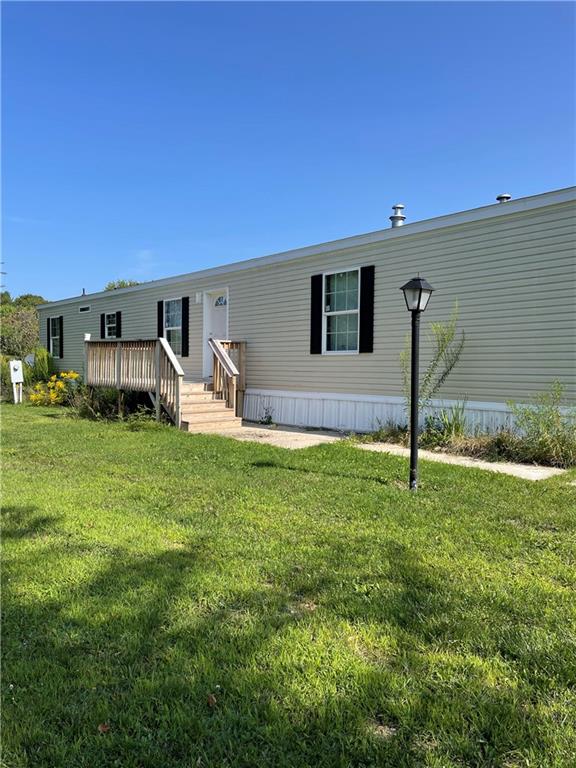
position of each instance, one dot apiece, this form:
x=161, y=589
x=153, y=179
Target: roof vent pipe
x=398, y=218
x=504, y=198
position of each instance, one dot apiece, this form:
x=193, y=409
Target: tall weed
x=445, y=426
x=547, y=429
x=447, y=347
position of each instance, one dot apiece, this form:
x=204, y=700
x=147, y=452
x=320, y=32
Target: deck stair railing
x=147, y=365
x=228, y=372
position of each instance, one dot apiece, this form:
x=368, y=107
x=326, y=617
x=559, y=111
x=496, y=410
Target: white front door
x=215, y=323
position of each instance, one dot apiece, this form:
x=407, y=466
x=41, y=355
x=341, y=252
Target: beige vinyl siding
x=514, y=278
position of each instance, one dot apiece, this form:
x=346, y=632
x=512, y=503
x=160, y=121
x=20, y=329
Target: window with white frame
x=341, y=311
x=173, y=324
x=110, y=325
x=55, y=340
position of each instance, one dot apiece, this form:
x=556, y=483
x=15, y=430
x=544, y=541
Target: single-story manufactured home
x=312, y=337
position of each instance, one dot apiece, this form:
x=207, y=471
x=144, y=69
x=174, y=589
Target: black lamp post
x=417, y=293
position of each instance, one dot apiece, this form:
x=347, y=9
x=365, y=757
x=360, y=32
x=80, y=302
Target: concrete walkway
x=525, y=471
x=281, y=437
x=292, y=437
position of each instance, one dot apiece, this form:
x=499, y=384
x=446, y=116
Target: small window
x=173, y=324
x=221, y=301
x=84, y=309
x=341, y=311
x=110, y=325
x=55, y=339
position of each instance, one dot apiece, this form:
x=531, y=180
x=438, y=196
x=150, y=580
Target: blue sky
x=147, y=139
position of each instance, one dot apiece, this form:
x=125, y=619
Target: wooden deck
x=150, y=365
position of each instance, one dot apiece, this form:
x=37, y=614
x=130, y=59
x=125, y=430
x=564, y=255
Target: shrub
x=95, y=402
x=547, y=429
x=5, y=369
x=544, y=433
x=142, y=418
x=19, y=330
x=389, y=432
x=42, y=368
x=58, y=390
x=267, y=416
x=444, y=427
x=102, y=403
x=498, y=446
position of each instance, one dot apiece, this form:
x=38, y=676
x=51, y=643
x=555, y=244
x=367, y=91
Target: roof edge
x=493, y=210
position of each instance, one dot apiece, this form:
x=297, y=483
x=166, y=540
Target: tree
x=20, y=329
x=113, y=285
x=29, y=300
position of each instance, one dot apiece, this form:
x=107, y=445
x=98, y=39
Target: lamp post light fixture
x=417, y=294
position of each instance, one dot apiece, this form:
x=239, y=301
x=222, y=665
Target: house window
x=55, y=338
x=221, y=301
x=173, y=324
x=84, y=309
x=341, y=310
x=110, y=323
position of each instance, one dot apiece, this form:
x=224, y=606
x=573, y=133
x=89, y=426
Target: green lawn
x=213, y=603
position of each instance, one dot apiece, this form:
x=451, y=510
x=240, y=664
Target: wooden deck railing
x=228, y=377
x=169, y=377
x=147, y=365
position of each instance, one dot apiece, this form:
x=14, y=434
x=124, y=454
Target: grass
x=183, y=600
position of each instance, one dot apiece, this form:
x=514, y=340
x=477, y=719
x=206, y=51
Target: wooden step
x=212, y=426
x=196, y=397
x=210, y=406
x=193, y=417
x=201, y=413
x=189, y=387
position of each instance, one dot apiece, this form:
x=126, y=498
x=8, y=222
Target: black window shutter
x=185, y=325
x=48, y=335
x=316, y=315
x=118, y=325
x=160, y=319
x=61, y=324
x=366, y=309
x=102, y=326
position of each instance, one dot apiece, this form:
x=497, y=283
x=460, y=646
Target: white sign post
x=17, y=377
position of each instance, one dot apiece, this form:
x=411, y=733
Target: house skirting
x=356, y=413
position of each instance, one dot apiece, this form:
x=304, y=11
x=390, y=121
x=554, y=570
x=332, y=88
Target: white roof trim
x=519, y=205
